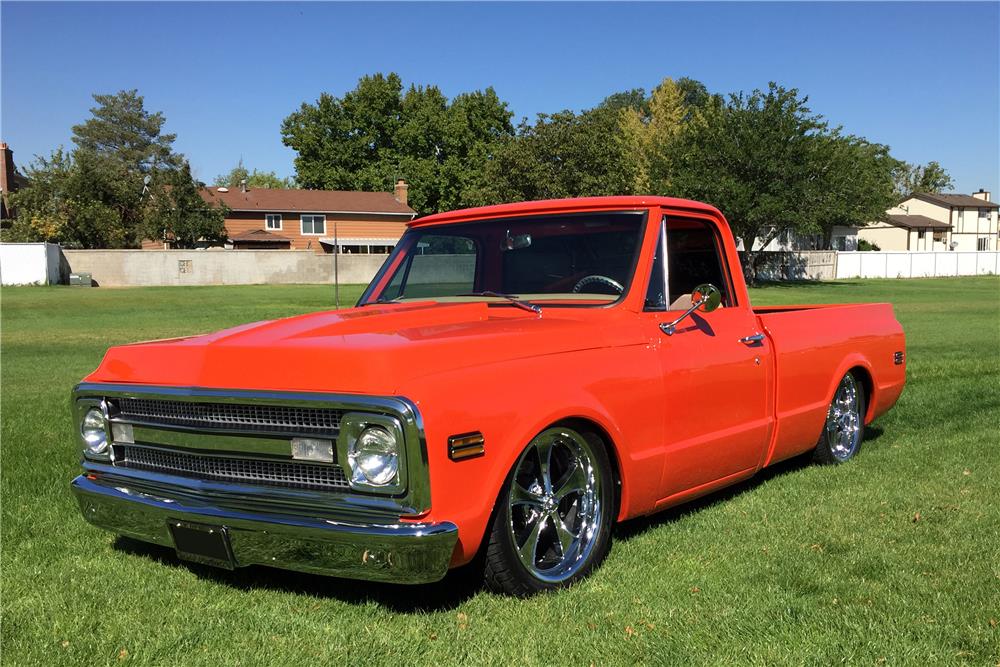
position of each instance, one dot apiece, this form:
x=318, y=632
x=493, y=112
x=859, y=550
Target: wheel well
x=861, y=374
x=583, y=425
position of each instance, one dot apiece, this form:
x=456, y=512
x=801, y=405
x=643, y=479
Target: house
x=318, y=220
x=938, y=222
x=10, y=181
x=842, y=237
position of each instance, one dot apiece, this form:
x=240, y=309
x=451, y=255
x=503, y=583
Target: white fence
x=904, y=264
x=30, y=264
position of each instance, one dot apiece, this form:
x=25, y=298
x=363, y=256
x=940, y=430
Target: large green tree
x=99, y=194
x=377, y=133
x=771, y=164
x=565, y=154
x=177, y=212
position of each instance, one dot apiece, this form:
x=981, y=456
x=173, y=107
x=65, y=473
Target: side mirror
x=705, y=297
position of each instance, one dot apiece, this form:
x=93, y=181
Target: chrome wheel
x=844, y=421
x=555, y=507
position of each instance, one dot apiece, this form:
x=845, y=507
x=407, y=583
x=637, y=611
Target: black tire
x=844, y=429
x=525, y=495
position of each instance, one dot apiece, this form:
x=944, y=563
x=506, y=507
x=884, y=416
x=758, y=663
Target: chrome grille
x=226, y=469
x=261, y=418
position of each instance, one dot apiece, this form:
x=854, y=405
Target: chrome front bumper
x=399, y=552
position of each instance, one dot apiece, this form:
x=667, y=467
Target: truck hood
x=370, y=350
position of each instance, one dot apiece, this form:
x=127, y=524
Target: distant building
x=10, y=182
x=938, y=222
x=318, y=220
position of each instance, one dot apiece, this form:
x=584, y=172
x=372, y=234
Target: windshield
x=572, y=259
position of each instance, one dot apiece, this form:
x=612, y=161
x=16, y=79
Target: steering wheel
x=602, y=280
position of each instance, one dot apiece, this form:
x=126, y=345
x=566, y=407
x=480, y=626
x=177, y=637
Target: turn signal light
x=466, y=446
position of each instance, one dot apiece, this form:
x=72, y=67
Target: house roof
x=307, y=201
x=916, y=222
x=967, y=201
x=260, y=236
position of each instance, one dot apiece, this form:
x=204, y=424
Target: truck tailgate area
x=814, y=347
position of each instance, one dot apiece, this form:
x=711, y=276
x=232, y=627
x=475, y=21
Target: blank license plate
x=202, y=544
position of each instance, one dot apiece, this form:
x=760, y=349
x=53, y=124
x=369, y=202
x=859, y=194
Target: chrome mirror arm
x=669, y=327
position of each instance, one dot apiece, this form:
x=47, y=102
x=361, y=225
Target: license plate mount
x=201, y=543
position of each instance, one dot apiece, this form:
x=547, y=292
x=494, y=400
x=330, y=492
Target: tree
x=564, y=154
x=771, y=165
x=650, y=130
x=376, y=134
x=178, y=213
x=122, y=130
x=754, y=157
x=255, y=180
x=930, y=178
x=100, y=195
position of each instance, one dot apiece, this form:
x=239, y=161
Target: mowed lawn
x=893, y=558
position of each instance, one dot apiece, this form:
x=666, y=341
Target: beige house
x=937, y=222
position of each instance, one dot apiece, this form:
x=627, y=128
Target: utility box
x=81, y=279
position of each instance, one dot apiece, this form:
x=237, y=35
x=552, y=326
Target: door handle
x=752, y=340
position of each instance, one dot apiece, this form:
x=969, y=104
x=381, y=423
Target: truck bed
x=814, y=347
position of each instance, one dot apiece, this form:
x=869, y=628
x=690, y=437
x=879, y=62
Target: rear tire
x=552, y=524
x=844, y=429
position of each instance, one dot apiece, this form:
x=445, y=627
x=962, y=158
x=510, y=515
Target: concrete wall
x=134, y=268
x=30, y=264
x=916, y=264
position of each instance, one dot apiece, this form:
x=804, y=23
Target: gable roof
x=260, y=236
x=307, y=201
x=916, y=222
x=966, y=201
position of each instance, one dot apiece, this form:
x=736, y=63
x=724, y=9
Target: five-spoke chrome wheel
x=554, y=523
x=844, y=427
x=555, y=504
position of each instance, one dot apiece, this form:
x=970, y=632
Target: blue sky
x=920, y=77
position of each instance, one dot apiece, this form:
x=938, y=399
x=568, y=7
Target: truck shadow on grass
x=460, y=584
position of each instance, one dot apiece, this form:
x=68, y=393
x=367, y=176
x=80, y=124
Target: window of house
x=984, y=214
x=920, y=233
x=313, y=224
x=272, y=221
x=939, y=237
x=983, y=244
x=961, y=219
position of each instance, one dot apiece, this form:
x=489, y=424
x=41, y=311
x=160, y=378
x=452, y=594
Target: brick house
x=318, y=220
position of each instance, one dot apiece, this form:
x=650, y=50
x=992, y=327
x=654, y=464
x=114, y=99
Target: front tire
x=552, y=525
x=840, y=440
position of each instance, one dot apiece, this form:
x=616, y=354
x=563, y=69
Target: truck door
x=716, y=366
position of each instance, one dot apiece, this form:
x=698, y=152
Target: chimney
x=243, y=185
x=982, y=194
x=7, y=175
x=400, y=191
x=8, y=180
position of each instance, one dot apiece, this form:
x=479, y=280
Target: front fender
x=618, y=389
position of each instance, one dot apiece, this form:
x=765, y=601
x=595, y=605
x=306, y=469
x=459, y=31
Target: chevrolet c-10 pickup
x=515, y=380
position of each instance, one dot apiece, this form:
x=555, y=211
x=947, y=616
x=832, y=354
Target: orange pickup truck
x=515, y=380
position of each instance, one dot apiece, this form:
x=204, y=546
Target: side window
x=693, y=257
x=656, y=293
x=439, y=266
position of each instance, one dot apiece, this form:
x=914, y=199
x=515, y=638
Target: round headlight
x=374, y=457
x=92, y=430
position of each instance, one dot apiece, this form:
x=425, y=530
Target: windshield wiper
x=524, y=305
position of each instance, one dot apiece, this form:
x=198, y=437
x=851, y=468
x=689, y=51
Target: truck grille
x=232, y=416
x=225, y=469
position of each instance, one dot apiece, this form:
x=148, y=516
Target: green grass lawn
x=894, y=557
